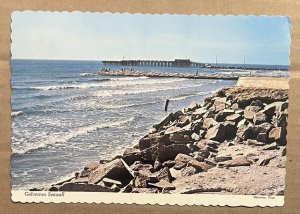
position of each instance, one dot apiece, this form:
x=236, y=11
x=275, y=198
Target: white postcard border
x=144, y=198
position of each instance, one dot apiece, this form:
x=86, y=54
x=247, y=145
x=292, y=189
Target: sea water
x=64, y=114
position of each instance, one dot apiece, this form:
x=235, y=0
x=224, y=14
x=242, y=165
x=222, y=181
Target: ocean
x=65, y=115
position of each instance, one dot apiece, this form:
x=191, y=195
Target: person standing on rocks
x=166, y=105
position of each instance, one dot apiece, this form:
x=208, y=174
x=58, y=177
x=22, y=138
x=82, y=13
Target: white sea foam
x=128, y=105
x=69, y=86
x=17, y=113
x=134, y=81
x=114, y=82
x=183, y=97
x=88, y=74
x=130, y=78
x=106, y=93
x=65, y=137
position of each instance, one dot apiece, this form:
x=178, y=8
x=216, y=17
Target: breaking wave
x=17, y=113
x=63, y=138
x=185, y=96
x=88, y=74
x=110, y=93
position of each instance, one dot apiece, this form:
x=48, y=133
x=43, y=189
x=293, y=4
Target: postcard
x=149, y=109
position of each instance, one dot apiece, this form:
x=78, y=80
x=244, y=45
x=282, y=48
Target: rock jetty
x=165, y=74
x=232, y=143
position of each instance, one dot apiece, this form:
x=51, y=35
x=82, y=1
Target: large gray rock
x=181, y=161
x=269, y=110
x=196, y=125
x=234, y=118
x=198, y=113
x=262, y=128
x=80, y=180
x=219, y=107
x=258, y=103
x=208, y=123
x=230, y=130
x=180, y=130
x=206, y=142
x=89, y=168
x=281, y=106
x=115, y=169
x=192, y=106
x=163, y=185
x=254, y=108
x=131, y=155
x=170, y=118
x=74, y=187
x=237, y=161
x=242, y=123
x=137, y=166
x=183, y=120
x=164, y=175
x=222, y=158
x=180, y=138
x=217, y=133
x=249, y=114
x=199, y=156
x=143, y=178
x=170, y=152
x=245, y=132
x=278, y=134
x=163, y=153
x=259, y=118
x=169, y=164
x=188, y=171
x=235, y=106
x=262, y=137
x=195, y=136
x=152, y=139
x=110, y=182
x=219, y=100
x=220, y=117
x=209, y=114
x=280, y=120
x=199, y=166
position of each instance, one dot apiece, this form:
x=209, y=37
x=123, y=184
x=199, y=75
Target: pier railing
x=155, y=63
x=183, y=63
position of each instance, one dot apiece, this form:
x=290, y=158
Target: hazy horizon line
x=141, y=59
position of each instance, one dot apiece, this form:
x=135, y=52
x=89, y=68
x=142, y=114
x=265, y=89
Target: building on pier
x=155, y=63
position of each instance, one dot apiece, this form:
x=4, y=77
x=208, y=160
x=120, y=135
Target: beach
x=233, y=142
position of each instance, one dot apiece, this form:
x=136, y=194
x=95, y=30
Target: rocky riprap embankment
x=233, y=143
x=171, y=74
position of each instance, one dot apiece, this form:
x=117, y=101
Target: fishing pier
x=183, y=63
x=155, y=63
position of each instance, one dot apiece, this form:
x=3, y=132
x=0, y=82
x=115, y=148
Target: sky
x=114, y=36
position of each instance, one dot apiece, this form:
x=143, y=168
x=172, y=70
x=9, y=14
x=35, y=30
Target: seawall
x=160, y=74
x=264, y=82
x=232, y=143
